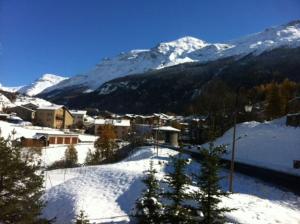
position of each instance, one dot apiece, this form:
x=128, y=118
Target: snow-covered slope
x=270, y=144
x=10, y=89
x=107, y=193
x=41, y=84
x=22, y=100
x=4, y=102
x=186, y=49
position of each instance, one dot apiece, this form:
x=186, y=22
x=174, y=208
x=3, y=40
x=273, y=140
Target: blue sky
x=68, y=37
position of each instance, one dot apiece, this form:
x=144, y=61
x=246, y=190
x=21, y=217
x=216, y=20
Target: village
x=44, y=124
x=149, y=112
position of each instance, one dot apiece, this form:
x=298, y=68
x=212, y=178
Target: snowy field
x=50, y=153
x=271, y=145
x=107, y=193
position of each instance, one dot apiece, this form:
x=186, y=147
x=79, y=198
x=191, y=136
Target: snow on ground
x=54, y=153
x=107, y=193
x=270, y=144
x=50, y=153
x=22, y=100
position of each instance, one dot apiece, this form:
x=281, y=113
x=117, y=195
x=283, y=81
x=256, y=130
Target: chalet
x=121, y=126
x=78, y=116
x=54, y=116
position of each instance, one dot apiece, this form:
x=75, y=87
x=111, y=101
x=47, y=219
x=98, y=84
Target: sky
x=69, y=37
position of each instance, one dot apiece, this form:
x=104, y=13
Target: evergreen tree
x=177, y=194
x=82, y=218
x=208, y=196
x=71, y=157
x=21, y=186
x=93, y=158
x=148, y=208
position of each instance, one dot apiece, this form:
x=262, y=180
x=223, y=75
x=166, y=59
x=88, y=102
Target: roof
x=87, y=138
x=167, y=128
x=114, y=122
x=52, y=107
x=78, y=112
x=38, y=135
x=25, y=108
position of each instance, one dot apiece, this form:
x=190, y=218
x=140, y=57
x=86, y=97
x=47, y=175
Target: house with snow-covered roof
x=54, y=116
x=78, y=116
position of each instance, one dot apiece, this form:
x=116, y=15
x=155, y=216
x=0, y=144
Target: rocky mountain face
x=181, y=51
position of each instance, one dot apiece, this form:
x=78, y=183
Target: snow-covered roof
x=87, y=138
x=78, y=112
x=38, y=135
x=167, y=128
x=122, y=122
x=114, y=122
x=52, y=107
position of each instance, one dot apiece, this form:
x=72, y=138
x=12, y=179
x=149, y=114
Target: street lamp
x=248, y=109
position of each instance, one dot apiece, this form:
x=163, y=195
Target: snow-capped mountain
x=10, y=89
x=41, y=84
x=186, y=49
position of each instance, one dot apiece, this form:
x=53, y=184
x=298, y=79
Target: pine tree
x=93, y=158
x=148, y=208
x=177, y=211
x=82, y=218
x=21, y=186
x=71, y=157
x=208, y=196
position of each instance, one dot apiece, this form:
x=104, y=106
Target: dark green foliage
x=82, y=218
x=176, y=211
x=148, y=207
x=210, y=193
x=21, y=186
x=71, y=157
x=59, y=164
x=93, y=158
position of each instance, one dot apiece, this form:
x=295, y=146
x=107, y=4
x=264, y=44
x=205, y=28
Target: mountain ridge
x=180, y=51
